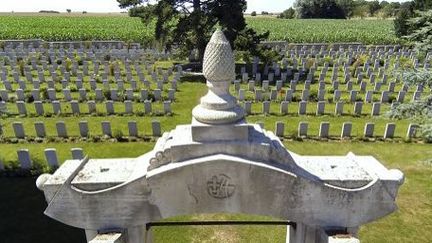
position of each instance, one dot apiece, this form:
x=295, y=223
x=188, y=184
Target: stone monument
x=221, y=164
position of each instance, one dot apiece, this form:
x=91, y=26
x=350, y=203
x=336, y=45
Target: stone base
x=207, y=133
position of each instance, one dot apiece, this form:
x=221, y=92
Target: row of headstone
x=346, y=132
x=80, y=84
x=273, y=95
x=76, y=108
x=157, y=132
x=62, y=132
x=100, y=95
x=70, y=67
x=266, y=85
x=26, y=162
x=303, y=61
x=320, y=108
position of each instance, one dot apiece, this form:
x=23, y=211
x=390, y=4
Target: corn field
x=81, y=27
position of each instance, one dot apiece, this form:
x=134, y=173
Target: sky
x=112, y=6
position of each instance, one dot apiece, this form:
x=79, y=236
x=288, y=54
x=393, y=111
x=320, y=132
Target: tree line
x=345, y=9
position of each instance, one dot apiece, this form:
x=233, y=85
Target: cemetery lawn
x=411, y=223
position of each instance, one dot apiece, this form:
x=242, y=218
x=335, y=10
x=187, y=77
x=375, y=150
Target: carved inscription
x=220, y=186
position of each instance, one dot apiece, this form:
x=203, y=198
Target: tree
x=423, y=5
x=374, y=7
x=322, y=9
x=190, y=23
x=361, y=11
x=287, y=14
x=68, y=10
x=254, y=13
x=402, y=27
x=420, y=34
x=264, y=13
x=347, y=6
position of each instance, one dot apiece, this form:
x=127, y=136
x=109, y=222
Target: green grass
x=411, y=223
x=68, y=27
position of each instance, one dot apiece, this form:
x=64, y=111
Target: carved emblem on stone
x=219, y=186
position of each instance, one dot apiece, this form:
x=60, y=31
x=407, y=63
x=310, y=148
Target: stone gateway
x=221, y=164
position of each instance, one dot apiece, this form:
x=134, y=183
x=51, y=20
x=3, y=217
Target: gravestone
x=358, y=107
x=337, y=95
x=24, y=159
x=353, y=96
x=280, y=129
x=401, y=96
x=91, y=104
x=156, y=129
x=241, y=95
x=266, y=107
x=346, y=130
x=109, y=106
x=302, y=107
x=18, y=130
x=61, y=129
x=75, y=107
x=412, y=130
x=369, y=130
x=22, y=109
x=147, y=107
x=133, y=129
x=284, y=107
x=40, y=129
x=77, y=153
x=289, y=95
x=56, y=106
x=320, y=108
x=248, y=107
x=106, y=128
x=167, y=107
x=389, y=130
x=385, y=97
x=324, y=130
x=128, y=107
x=303, y=129
x=376, y=108
x=369, y=96
x=51, y=157
x=83, y=129
x=339, y=108
x=258, y=95
x=157, y=93
x=39, y=108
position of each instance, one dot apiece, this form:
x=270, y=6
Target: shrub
x=254, y=13
x=287, y=14
x=426, y=132
x=118, y=134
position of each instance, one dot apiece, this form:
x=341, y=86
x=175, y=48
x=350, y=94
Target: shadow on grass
x=22, y=219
